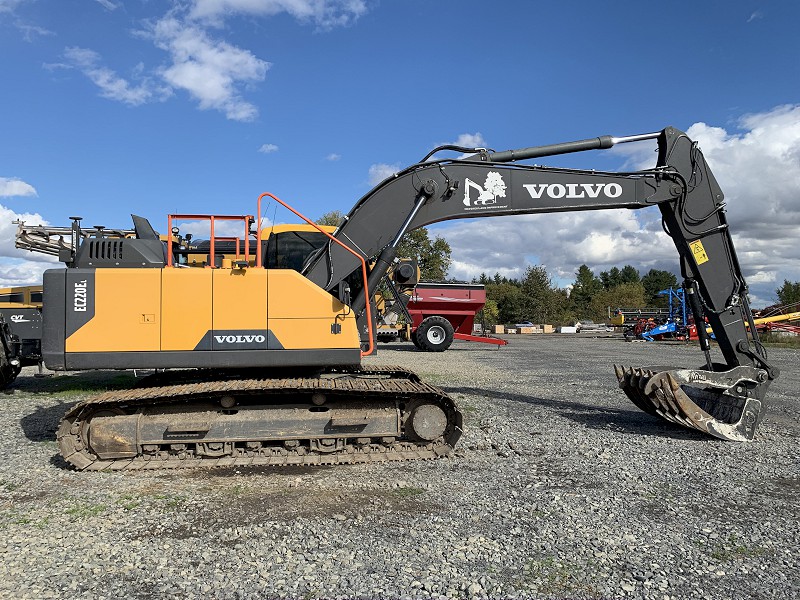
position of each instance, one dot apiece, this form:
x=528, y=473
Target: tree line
x=535, y=297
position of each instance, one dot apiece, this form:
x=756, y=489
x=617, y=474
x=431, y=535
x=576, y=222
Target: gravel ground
x=560, y=488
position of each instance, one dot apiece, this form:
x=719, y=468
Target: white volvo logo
x=240, y=339
x=573, y=190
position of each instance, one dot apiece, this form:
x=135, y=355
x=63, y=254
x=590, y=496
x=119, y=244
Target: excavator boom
x=729, y=403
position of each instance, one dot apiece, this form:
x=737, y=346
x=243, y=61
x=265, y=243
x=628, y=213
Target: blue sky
x=118, y=106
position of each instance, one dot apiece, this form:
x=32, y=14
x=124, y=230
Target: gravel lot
x=560, y=488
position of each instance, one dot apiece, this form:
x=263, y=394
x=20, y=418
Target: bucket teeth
x=629, y=381
x=667, y=394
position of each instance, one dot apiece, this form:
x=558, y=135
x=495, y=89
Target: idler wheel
x=428, y=422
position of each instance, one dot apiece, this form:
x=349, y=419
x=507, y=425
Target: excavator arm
x=724, y=400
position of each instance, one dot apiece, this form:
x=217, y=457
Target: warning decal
x=699, y=252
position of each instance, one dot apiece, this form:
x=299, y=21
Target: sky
x=113, y=107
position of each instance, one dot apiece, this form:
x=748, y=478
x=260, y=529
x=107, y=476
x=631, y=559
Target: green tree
x=585, y=287
x=507, y=298
x=629, y=274
x=489, y=314
x=332, y=218
x=629, y=295
x=788, y=293
x=542, y=302
x=433, y=256
x=611, y=278
x=615, y=276
x=654, y=281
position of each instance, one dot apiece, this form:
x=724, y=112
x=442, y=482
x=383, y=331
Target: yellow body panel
x=186, y=307
x=240, y=299
x=173, y=309
x=301, y=314
x=292, y=296
x=127, y=313
x=311, y=333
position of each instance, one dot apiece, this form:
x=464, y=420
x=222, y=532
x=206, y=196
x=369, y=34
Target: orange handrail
x=238, y=241
x=212, y=218
x=371, y=348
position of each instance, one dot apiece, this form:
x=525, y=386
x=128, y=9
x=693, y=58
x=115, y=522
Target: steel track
x=380, y=383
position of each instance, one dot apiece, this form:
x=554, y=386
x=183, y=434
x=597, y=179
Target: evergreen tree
x=506, y=299
x=789, y=292
x=543, y=303
x=611, y=278
x=584, y=289
x=654, y=281
x=629, y=274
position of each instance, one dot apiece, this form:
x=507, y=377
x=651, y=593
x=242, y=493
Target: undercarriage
x=335, y=417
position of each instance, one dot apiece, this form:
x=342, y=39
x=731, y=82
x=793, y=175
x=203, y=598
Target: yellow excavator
x=263, y=366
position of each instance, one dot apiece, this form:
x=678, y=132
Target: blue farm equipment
x=672, y=327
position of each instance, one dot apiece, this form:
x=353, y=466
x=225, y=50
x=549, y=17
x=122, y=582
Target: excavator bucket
x=721, y=404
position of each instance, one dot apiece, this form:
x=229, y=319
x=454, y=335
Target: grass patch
x=26, y=521
x=128, y=502
x=554, y=577
x=235, y=490
x=434, y=378
x=7, y=486
x=407, y=492
x=780, y=341
x=83, y=511
x=729, y=550
x=170, y=500
x=467, y=408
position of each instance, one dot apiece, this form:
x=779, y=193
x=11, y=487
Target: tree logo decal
x=493, y=188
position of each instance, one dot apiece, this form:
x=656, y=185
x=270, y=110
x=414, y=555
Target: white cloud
x=333, y=157
x=111, y=85
x=758, y=168
x=29, y=32
x=326, y=14
x=108, y=5
x=268, y=148
x=209, y=70
x=381, y=171
x=8, y=6
x=11, y=186
x=20, y=267
x=470, y=140
x=212, y=71
x=17, y=272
